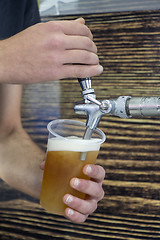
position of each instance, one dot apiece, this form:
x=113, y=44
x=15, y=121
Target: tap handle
x=86, y=86
x=85, y=83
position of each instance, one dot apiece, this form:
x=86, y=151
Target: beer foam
x=73, y=144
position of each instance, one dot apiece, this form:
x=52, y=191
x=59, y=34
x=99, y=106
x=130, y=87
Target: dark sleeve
x=17, y=15
x=31, y=15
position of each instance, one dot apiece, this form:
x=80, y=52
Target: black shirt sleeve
x=16, y=15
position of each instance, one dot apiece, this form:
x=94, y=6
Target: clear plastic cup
x=63, y=161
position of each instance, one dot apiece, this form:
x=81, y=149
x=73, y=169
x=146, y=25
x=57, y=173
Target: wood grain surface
x=128, y=47
x=68, y=7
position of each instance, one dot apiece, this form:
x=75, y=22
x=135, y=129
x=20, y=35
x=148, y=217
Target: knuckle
x=94, y=207
x=87, y=31
x=99, y=192
x=91, y=45
x=54, y=25
x=96, y=59
x=84, y=185
x=103, y=172
x=82, y=218
x=101, y=195
x=96, y=49
x=100, y=172
x=57, y=41
x=89, y=210
x=80, y=71
x=78, y=217
x=91, y=58
x=77, y=73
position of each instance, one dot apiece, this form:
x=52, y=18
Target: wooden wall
x=68, y=7
x=128, y=47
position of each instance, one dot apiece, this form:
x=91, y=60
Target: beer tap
x=123, y=107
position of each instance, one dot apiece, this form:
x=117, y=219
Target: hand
x=49, y=51
x=78, y=209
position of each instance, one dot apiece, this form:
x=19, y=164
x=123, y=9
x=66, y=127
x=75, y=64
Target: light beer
x=62, y=164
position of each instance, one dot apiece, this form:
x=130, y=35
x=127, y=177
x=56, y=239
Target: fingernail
x=100, y=68
x=76, y=182
x=88, y=169
x=69, y=199
x=70, y=212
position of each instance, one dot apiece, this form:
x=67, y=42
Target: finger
x=85, y=207
x=88, y=187
x=70, y=28
x=79, y=42
x=80, y=20
x=80, y=71
x=42, y=165
x=75, y=216
x=96, y=172
x=80, y=57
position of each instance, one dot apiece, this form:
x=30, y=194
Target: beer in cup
x=63, y=161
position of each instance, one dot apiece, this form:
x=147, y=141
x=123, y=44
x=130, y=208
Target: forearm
x=20, y=160
x=2, y=63
x=10, y=103
x=20, y=157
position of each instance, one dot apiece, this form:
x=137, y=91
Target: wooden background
x=68, y=7
x=128, y=47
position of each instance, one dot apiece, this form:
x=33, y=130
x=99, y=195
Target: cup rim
x=73, y=121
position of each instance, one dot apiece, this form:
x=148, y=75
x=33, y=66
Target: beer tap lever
x=123, y=106
x=86, y=86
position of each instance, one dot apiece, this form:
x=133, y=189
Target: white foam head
x=73, y=144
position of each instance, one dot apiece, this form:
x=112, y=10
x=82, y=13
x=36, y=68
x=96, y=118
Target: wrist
x=10, y=105
x=3, y=64
x=8, y=61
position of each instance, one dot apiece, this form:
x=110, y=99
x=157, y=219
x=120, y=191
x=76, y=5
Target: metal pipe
x=143, y=107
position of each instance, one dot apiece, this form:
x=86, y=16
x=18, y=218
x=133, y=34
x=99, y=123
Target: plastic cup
x=63, y=161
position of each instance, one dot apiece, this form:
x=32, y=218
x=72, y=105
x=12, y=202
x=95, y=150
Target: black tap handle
x=85, y=83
